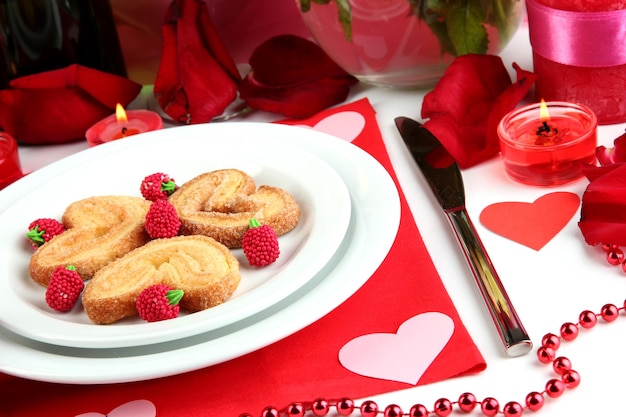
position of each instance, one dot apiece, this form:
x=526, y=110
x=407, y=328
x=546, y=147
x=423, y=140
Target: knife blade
x=446, y=182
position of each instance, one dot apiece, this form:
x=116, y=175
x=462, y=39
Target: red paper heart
x=531, y=224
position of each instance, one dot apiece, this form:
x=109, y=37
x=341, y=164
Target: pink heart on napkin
x=403, y=356
x=531, y=224
x=138, y=408
x=346, y=125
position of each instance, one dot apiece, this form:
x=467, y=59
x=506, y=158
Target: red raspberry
x=260, y=244
x=64, y=288
x=159, y=302
x=157, y=186
x=162, y=220
x=42, y=230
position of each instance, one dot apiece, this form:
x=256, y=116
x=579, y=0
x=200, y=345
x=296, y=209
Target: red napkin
x=301, y=367
x=60, y=105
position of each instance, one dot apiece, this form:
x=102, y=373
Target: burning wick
x=121, y=117
x=545, y=132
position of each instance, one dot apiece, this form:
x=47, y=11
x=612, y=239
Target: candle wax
x=603, y=89
x=125, y=131
x=536, y=156
x=108, y=129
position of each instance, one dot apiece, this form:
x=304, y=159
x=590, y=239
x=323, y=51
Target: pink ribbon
x=582, y=39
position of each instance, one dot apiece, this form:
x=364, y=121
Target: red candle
x=579, y=54
x=122, y=124
x=10, y=167
x=545, y=144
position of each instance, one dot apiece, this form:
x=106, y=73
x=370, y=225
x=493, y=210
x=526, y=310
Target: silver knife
x=445, y=180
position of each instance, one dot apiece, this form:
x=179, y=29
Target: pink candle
x=579, y=54
x=545, y=144
x=122, y=124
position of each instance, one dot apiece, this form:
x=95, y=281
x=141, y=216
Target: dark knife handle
x=512, y=333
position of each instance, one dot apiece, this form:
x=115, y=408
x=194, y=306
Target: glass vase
x=398, y=43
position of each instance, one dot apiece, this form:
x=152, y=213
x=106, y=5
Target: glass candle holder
x=547, y=147
x=10, y=166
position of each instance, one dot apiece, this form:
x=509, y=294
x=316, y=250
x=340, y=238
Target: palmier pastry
x=99, y=230
x=221, y=203
x=204, y=269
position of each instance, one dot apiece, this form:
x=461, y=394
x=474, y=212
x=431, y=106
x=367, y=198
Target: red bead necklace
x=615, y=256
x=467, y=402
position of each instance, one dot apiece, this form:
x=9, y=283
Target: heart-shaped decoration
x=138, y=408
x=346, y=125
x=403, y=356
x=531, y=224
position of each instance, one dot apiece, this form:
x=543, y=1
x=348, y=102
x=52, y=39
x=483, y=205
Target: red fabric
x=60, y=105
x=301, y=367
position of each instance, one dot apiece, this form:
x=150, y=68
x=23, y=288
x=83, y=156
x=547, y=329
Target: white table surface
x=548, y=287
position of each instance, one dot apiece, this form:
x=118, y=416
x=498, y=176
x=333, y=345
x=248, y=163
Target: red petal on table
x=506, y=102
x=299, y=101
x=59, y=106
x=467, y=103
x=293, y=77
x=197, y=78
x=616, y=154
x=603, y=212
x=290, y=59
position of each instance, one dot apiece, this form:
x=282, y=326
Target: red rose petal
x=467, y=104
x=300, y=101
x=603, y=212
x=506, y=102
x=293, y=77
x=289, y=59
x=197, y=79
x=617, y=154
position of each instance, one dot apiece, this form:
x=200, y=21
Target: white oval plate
x=372, y=231
x=118, y=168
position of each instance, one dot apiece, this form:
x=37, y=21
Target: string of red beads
x=567, y=378
x=615, y=256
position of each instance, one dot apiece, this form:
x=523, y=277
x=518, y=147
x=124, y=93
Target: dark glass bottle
x=41, y=35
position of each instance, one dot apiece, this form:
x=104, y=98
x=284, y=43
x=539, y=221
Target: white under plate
x=372, y=230
x=118, y=168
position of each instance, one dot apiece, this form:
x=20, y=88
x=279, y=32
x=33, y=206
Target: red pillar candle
x=545, y=144
x=123, y=124
x=579, y=54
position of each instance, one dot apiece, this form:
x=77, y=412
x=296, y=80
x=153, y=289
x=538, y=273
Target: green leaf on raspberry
x=254, y=223
x=174, y=296
x=36, y=236
x=169, y=187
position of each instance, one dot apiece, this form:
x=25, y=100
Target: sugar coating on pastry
x=100, y=229
x=206, y=271
x=220, y=204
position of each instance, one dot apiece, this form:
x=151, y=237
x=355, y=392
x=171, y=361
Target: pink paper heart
x=138, y=408
x=403, y=356
x=346, y=125
x=531, y=224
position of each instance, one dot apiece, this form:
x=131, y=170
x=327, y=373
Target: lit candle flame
x=120, y=114
x=544, y=114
